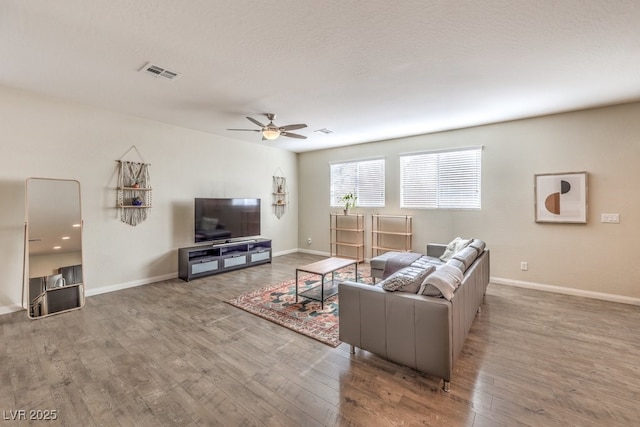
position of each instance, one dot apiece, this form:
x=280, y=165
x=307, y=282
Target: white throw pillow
x=453, y=247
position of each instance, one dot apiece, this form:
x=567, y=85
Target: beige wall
x=595, y=257
x=44, y=137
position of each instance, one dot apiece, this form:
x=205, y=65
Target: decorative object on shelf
x=349, y=201
x=561, y=197
x=134, y=190
x=280, y=193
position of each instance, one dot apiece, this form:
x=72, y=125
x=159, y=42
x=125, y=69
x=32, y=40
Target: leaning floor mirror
x=53, y=281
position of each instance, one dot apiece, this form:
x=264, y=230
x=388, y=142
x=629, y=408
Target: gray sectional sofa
x=420, y=323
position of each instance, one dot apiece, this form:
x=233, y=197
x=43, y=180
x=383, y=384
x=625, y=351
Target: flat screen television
x=226, y=219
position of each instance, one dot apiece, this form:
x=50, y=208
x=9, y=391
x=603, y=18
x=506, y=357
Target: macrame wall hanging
x=280, y=195
x=134, y=190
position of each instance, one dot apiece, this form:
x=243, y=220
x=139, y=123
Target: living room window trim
x=438, y=182
x=369, y=190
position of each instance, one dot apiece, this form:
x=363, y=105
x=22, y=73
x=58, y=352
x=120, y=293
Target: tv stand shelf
x=205, y=260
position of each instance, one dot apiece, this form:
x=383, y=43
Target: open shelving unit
x=391, y=233
x=347, y=236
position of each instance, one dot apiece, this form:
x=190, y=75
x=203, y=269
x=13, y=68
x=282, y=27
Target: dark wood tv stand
x=207, y=259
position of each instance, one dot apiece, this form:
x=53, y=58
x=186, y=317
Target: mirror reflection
x=54, y=246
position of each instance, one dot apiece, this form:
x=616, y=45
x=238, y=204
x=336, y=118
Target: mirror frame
x=26, y=301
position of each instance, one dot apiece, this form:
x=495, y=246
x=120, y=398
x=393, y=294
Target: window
x=442, y=179
x=365, y=178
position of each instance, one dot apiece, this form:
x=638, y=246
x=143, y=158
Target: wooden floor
x=173, y=353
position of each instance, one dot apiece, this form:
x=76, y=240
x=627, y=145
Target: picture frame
x=561, y=197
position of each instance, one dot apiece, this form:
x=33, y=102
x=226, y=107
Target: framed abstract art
x=561, y=197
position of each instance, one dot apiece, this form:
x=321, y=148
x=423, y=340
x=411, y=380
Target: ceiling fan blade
x=293, y=135
x=293, y=127
x=248, y=130
x=255, y=121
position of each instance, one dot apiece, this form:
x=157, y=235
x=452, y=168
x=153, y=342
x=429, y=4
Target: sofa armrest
x=435, y=250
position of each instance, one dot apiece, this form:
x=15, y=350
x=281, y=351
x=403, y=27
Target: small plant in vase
x=349, y=201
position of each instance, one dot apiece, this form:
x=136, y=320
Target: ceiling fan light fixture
x=271, y=134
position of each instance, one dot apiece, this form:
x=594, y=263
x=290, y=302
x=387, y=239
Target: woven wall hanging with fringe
x=134, y=191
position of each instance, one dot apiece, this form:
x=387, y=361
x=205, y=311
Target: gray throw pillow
x=408, y=279
x=457, y=263
x=431, y=291
x=478, y=245
x=466, y=256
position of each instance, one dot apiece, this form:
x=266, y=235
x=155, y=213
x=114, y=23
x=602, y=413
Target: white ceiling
x=368, y=70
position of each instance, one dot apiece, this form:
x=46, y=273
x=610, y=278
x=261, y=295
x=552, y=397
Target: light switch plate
x=611, y=218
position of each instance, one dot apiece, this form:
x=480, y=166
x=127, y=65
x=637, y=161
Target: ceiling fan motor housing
x=270, y=131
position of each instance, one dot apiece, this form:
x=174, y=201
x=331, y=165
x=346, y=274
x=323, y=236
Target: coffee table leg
x=322, y=291
x=296, y=285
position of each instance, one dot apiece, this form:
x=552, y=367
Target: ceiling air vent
x=156, y=71
x=324, y=130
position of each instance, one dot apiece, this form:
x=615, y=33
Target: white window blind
x=364, y=178
x=443, y=179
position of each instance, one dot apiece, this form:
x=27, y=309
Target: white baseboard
x=127, y=285
x=566, y=291
x=309, y=251
x=287, y=252
x=6, y=309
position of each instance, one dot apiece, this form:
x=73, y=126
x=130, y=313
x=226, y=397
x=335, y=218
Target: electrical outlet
x=308, y=240
x=524, y=266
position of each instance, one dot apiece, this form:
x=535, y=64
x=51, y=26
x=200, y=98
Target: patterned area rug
x=277, y=303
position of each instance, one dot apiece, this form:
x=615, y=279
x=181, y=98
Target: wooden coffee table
x=325, y=289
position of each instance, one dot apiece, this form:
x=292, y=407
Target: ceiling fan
x=270, y=131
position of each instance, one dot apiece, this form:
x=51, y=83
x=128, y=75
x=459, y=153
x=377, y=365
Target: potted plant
x=349, y=201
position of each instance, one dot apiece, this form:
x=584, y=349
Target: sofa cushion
x=378, y=262
x=425, y=261
x=454, y=247
x=478, y=245
x=467, y=256
x=457, y=264
x=408, y=279
x=445, y=279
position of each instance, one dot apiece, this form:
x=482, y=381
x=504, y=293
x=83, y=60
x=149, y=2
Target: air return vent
x=324, y=130
x=157, y=71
